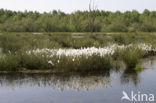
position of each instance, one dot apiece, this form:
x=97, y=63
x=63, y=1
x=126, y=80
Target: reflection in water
x=74, y=82
x=101, y=88
x=150, y=63
x=59, y=82
x=130, y=75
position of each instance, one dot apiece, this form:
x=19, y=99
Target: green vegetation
x=23, y=61
x=139, y=68
x=15, y=45
x=57, y=21
x=130, y=56
x=94, y=63
x=9, y=63
x=13, y=42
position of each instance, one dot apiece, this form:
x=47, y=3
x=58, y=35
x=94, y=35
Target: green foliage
x=148, y=25
x=57, y=21
x=117, y=25
x=13, y=42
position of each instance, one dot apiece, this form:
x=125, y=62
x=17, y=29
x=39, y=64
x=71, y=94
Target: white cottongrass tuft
x=50, y=62
x=88, y=51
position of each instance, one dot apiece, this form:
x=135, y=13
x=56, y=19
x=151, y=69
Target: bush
x=117, y=25
x=148, y=25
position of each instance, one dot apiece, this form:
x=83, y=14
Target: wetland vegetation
x=74, y=52
x=62, y=42
x=48, y=56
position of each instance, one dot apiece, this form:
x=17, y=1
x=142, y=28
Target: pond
x=103, y=88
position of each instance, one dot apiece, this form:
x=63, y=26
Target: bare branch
x=92, y=14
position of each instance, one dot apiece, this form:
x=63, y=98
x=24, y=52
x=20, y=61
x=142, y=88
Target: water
x=106, y=88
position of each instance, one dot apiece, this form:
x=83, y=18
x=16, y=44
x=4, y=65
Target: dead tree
x=92, y=15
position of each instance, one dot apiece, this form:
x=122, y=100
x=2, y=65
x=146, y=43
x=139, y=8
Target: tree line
x=79, y=21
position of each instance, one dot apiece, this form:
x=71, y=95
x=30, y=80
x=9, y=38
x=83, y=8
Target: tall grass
x=130, y=56
x=18, y=61
x=9, y=62
x=34, y=61
x=94, y=63
x=83, y=63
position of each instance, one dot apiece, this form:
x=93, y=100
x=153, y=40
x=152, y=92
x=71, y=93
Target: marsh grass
x=9, y=63
x=34, y=61
x=15, y=44
x=130, y=56
x=92, y=63
x=83, y=64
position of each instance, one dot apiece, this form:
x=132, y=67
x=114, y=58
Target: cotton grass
x=78, y=60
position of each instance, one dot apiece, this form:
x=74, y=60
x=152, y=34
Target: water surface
x=106, y=88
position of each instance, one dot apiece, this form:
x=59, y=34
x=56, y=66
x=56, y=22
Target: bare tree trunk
x=92, y=15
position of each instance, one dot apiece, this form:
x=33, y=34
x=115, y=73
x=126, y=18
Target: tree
x=92, y=20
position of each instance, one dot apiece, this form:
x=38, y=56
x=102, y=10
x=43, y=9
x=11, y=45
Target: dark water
x=106, y=88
